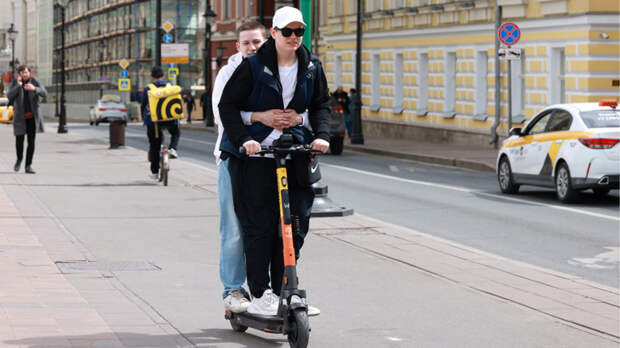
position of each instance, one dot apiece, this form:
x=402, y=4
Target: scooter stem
x=285, y=214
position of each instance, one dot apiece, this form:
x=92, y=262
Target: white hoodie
x=218, y=87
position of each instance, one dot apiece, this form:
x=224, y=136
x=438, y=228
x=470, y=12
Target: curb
x=454, y=162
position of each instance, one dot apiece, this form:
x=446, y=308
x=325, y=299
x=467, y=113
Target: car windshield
x=601, y=118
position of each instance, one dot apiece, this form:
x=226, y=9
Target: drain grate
x=109, y=266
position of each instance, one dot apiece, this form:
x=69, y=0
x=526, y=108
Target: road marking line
x=466, y=190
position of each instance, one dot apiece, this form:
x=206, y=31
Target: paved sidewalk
x=45, y=304
x=464, y=156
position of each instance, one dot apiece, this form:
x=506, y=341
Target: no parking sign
x=509, y=33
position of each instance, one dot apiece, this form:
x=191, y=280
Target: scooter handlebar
x=300, y=148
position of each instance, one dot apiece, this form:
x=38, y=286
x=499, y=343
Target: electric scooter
x=292, y=318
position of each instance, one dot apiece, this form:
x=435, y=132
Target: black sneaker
x=29, y=170
x=18, y=164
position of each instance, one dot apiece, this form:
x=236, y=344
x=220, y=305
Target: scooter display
x=292, y=318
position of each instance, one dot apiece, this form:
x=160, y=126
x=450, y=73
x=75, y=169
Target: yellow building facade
x=430, y=64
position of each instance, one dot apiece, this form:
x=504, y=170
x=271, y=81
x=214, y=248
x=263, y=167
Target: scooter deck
x=267, y=323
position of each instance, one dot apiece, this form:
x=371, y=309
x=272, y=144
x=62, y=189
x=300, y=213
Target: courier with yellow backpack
x=161, y=108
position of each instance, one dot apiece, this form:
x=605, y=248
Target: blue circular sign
x=168, y=38
x=509, y=34
x=124, y=74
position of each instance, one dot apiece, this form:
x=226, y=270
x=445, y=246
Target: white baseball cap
x=285, y=16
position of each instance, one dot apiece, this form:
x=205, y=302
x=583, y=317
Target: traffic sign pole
x=509, y=34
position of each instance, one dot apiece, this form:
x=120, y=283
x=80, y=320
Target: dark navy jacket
x=255, y=86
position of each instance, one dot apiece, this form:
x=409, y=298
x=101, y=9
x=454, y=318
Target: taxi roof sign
x=123, y=63
x=167, y=26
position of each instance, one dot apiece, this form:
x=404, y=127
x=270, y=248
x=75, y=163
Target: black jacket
x=240, y=85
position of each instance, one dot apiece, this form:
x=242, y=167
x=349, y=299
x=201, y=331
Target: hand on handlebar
x=320, y=144
x=251, y=147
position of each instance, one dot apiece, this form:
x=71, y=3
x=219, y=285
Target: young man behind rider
x=281, y=75
x=157, y=76
x=250, y=36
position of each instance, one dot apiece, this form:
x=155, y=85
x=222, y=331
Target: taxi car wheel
x=601, y=192
x=504, y=177
x=563, y=184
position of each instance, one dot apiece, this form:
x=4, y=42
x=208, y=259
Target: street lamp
x=357, y=136
x=101, y=47
x=220, y=54
x=12, y=36
x=209, y=21
x=62, y=120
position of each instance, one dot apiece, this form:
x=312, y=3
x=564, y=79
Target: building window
x=352, y=7
x=558, y=89
x=338, y=72
x=337, y=8
x=248, y=8
x=422, y=85
x=481, y=96
x=376, y=83
x=372, y=5
x=323, y=12
x=398, y=84
x=395, y=4
x=450, y=85
x=225, y=9
x=239, y=9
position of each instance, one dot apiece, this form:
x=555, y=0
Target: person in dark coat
x=24, y=94
x=190, y=104
x=207, y=114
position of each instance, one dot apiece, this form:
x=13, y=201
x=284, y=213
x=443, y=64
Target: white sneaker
x=154, y=176
x=265, y=305
x=236, y=302
x=173, y=153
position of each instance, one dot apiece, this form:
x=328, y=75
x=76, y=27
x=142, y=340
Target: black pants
x=31, y=131
x=189, y=114
x=155, y=142
x=256, y=203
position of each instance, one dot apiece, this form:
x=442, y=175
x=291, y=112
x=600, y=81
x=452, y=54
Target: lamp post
x=57, y=114
x=357, y=137
x=101, y=47
x=219, y=50
x=209, y=21
x=12, y=36
x=62, y=120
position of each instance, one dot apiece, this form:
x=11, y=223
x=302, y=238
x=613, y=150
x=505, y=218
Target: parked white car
x=569, y=147
x=108, y=109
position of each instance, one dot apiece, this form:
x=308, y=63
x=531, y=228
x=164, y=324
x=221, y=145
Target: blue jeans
x=232, y=257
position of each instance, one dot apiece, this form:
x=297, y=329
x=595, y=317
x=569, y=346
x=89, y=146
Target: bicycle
x=164, y=160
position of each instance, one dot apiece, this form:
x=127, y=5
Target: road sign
x=168, y=38
x=123, y=63
x=172, y=65
x=173, y=73
x=124, y=74
x=124, y=84
x=167, y=26
x=175, y=53
x=509, y=33
x=509, y=53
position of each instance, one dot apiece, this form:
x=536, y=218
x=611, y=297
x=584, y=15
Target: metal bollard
x=323, y=206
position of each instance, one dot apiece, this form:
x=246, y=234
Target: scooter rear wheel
x=299, y=335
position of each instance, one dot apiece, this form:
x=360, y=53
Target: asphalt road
x=460, y=205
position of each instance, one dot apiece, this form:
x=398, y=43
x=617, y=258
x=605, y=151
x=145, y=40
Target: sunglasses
x=286, y=32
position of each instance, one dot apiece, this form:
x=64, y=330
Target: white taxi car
x=570, y=147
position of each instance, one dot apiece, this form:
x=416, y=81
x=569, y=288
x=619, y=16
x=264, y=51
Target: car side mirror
x=515, y=131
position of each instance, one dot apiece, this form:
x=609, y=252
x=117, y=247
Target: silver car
x=109, y=108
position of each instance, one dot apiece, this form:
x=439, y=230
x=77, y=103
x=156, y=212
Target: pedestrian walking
x=343, y=99
x=190, y=104
x=24, y=94
x=281, y=75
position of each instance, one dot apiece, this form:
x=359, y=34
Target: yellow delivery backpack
x=165, y=103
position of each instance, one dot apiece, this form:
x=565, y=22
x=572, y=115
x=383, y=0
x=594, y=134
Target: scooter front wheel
x=299, y=334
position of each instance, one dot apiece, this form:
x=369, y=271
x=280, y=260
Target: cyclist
x=157, y=76
x=281, y=75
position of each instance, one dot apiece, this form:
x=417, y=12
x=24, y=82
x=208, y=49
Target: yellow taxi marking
x=545, y=137
x=554, y=149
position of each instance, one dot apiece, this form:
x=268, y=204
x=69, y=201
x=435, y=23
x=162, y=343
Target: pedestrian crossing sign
x=124, y=84
x=173, y=73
